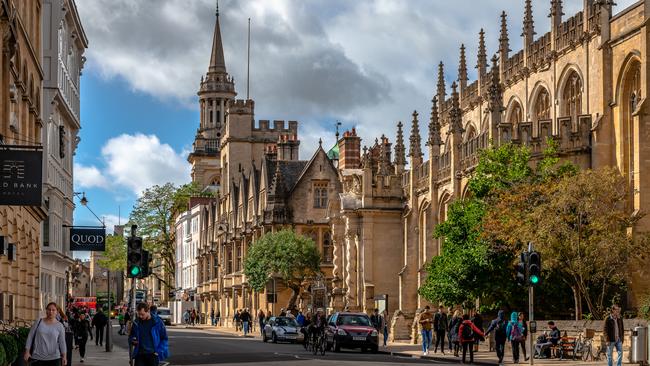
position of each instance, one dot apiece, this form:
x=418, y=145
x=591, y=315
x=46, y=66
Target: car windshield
x=285, y=322
x=360, y=320
x=164, y=312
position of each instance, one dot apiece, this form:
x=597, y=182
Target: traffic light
x=146, y=260
x=521, y=269
x=534, y=268
x=134, y=257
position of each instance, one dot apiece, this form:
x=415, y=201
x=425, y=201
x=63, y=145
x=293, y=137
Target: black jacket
x=610, y=334
x=99, y=320
x=82, y=329
x=440, y=322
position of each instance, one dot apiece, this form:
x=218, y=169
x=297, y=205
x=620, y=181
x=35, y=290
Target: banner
x=21, y=177
x=87, y=239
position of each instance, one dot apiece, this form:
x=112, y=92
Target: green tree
x=115, y=254
x=291, y=257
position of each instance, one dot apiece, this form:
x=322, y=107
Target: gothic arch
x=485, y=123
x=443, y=203
x=540, y=102
x=570, y=92
x=633, y=56
x=470, y=131
x=515, y=111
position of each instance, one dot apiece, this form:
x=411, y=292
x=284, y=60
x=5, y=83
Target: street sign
x=21, y=176
x=91, y=239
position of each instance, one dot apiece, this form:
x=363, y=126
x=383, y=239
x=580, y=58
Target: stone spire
x=217, y=61
x=529, y=25
x=504, y=41
x=482, y=54
x=495, y=95
x=462, y=69
x=434, y=125
x=556, y=12
x=415, y=150
x=455, y=115
x=441, y=82
x=384, y=157
x=400, y=150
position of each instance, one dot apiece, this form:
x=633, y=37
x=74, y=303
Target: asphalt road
x=206, y=347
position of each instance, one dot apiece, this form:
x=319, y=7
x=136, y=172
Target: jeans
x=81, y=341
x=146, y=359
x=540, y=347
x=385, y=335
x=440, y=340
x=500, y=347
x=610, y=350
x=212, y=320
x=470, y=346
x=245, y=328
x=426, y=339
x=99, y=335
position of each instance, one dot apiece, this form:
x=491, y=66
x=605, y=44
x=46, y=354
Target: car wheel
x=336, y=345
x=274, y=338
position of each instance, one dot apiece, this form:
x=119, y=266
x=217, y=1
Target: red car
x=351, y=330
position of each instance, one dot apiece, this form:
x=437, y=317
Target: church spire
x=482, y=54
x=217, y=62
x=400, y=151
x=529, y=25
x=455, y=115
x=415, y=150
x=556, y=13
x=504, y=41
x=462, y=69
x=434, y=125
x=441, y=82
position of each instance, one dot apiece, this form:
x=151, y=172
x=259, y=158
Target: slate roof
x=290, y=171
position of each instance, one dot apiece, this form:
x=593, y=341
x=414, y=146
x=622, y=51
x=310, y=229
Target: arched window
x=543, y=105
x=572, y=96
x=328, y=248
x=516, y=114
x=630, y=97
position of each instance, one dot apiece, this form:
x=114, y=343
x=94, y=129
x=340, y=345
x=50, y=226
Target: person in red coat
x=468, y=333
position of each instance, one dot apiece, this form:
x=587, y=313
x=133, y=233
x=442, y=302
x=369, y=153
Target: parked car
x=351, y=330
x=165, y=315
x=282, y=328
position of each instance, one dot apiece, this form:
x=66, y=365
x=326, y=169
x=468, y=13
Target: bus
x=89, y=303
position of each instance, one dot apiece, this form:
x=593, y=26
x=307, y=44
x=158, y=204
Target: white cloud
x=113, y=220
x=141, y=161
x=86, y=177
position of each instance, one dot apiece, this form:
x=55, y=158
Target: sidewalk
x=482, y=357
x=97, y=356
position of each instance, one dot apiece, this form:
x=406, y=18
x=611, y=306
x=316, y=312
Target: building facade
x=64, y=43
x=21, y=123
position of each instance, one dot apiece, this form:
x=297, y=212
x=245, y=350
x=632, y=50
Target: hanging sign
x=21, y=176
x=87, y=239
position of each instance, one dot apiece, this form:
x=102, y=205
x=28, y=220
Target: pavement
x=206, y=345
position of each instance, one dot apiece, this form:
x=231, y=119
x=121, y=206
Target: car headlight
x=341, y=332
x=374, y=333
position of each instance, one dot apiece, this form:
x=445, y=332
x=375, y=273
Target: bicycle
x=319, y=343
x=585, y=348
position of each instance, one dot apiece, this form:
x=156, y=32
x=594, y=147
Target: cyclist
x=318, y=322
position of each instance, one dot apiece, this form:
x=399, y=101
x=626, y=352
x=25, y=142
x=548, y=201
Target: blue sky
x=367, y=63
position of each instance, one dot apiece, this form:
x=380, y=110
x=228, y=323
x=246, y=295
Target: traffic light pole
x=109, y=327
x=531, y=312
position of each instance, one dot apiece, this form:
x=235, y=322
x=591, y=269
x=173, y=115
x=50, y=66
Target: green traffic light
x=135, y=270
x=534, y=279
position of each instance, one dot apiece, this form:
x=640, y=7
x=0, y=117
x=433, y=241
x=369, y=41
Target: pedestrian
x=300, y=319
x=283, y=312
x=193, y=317
x=515, y=333
x=245, y=318
x=217, y=317
x=121, y=322
x=613, y=331
x=553, y=339
x=236, y=318
x=148, y=337
x=69, y=335
x=99, y=323
x=127, y=322
x=375, y=320
x=426, y=322
x=261, y=317
x=186, y=317
x=454, y=325
x=385, y=326
x=82, y=332
x=467, y=334
x=440, y=325
x=524, y=325
x=477, y=319
x=212, y=316
x=499, y=326
x=45, y=344
x=153, y=309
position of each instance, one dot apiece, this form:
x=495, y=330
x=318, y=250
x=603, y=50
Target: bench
x=564, y=348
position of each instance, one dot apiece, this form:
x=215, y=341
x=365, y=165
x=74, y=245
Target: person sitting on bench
x=552, y=340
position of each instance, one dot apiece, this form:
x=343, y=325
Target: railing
x=209, y=146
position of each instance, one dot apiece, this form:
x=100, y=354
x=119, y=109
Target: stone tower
x=216, y=89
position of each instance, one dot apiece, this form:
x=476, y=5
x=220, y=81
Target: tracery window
x=320, y=194
x=328, y=248
x=572, y=96
x=516, y=114
x=543, y=105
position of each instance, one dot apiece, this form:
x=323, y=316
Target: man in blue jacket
x=149, y=338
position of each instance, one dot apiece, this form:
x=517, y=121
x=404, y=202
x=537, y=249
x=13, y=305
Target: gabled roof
x=310, y=163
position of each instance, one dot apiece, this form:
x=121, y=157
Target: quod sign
x=87, y=239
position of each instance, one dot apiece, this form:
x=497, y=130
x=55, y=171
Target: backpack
x=500, y=330
x=467, y=333
x=516, y=334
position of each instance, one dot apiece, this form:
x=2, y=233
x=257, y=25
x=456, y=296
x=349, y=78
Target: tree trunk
x=294, y=296
x=577, y=300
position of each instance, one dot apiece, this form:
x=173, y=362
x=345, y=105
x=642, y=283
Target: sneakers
x=82, y=360
x=425, y=353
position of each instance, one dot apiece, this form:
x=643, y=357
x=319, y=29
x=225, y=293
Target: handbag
x=31, y=347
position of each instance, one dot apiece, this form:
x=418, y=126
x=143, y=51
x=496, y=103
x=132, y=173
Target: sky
x=365, y=63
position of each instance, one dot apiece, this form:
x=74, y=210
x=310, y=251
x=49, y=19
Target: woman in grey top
x=46, y=340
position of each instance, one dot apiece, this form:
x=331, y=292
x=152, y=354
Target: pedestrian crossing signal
x=534, y=268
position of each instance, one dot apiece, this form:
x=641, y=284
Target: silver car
x=282, y=328
x=165, y=315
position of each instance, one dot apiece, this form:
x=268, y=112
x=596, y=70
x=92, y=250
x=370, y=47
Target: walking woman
x=81, y=333
x=46, y=341
x=454, y=325
x=515, y=332
x=524, y=325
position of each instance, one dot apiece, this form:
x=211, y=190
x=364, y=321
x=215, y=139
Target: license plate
x=359, y=338
x=291, y=336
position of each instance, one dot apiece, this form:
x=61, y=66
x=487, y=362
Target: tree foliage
x=291, y=257
x=115, y=254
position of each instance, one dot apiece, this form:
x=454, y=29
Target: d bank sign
x=87, y=239
x=21, y=173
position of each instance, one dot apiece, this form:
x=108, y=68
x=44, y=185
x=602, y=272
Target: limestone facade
x=21, y=123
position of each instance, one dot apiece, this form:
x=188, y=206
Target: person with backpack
x=515, y=333
x=453, y=331
x=467, y=335
x=499, y=325
x=477, y=319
